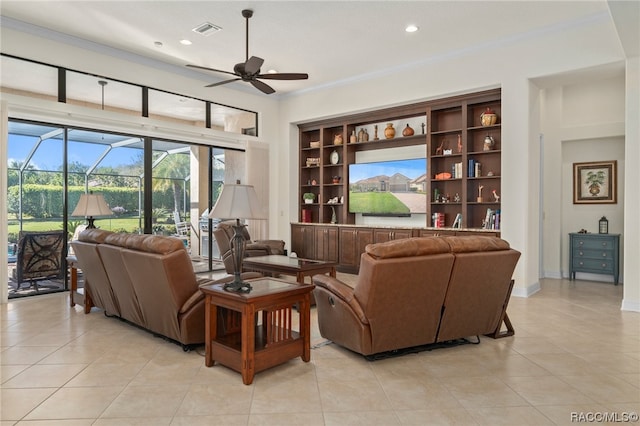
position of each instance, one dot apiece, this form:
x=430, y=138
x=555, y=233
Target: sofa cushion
x=476, y=243
x=406, y=247
x=94, y=235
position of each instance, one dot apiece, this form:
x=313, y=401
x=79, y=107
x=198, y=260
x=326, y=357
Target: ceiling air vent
x=206, y=29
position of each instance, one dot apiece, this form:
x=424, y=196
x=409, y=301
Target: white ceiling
x=331, y=41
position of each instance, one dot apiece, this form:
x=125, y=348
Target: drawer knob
x=604, y=265
x=604, y=254
x=581, y=263
x=580, y=242
x=580, y=253
x=604, y=244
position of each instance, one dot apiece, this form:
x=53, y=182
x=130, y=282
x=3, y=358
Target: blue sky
x=411, y=168
x=49, y=154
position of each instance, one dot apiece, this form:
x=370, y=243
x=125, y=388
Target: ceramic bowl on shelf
x=314, y=144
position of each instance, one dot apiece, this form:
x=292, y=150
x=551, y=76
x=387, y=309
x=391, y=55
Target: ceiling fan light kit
x=249, y=70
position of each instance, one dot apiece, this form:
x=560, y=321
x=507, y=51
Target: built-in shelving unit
x=453, y=132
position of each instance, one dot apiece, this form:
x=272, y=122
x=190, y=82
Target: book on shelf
x=456, y=170
x=457, y=222
x=438, y=220
x=474, y=168
x=492, y=219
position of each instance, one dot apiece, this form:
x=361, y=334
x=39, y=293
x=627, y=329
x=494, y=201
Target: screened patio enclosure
x=147, y=182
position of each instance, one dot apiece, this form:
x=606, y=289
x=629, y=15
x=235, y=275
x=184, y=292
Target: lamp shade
x=238, y=202
x=91, y=205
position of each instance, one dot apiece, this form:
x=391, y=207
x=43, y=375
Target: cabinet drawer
x=593, y=265
x=594, y=254
x=594, y=243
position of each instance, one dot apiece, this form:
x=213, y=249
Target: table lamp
x=91, y=205
x=239, y=202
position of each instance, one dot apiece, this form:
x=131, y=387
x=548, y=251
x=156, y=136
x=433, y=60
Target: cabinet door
x=302, y=241
x=383, y=235
x=352, y=244
x=326, y=241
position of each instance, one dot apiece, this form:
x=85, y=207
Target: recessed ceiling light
x=411, y=28
x=272, y=71
x=185, y=42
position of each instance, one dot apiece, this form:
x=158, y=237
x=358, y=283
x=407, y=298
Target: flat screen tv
x=388, y=188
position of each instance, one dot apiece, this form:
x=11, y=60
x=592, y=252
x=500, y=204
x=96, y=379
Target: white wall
x=580, y=122
x=511, y=66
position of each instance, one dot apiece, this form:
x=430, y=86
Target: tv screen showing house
x=388, y=188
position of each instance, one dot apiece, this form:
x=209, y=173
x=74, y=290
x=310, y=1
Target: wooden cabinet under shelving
x=345, y=244
x=463, y=159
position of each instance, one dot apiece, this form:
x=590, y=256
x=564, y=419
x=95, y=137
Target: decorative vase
x=488, y=117
x=365, y=138
x=353, y=138
x=337, y=139
x=488, y=143
x=361, y=135
x=407, y=131
x=389, y=131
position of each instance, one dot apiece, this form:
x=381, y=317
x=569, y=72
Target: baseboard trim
x=630, y=305
x=526, y=291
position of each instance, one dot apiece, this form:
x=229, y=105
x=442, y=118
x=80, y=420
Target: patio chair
x=39, y=257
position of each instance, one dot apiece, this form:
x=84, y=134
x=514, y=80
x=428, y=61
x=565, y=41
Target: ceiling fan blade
x=253, y=65
x=210, y=69
x=285, y=76
x=264, y=87
x=220, y=83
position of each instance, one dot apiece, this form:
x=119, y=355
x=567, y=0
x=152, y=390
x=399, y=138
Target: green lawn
x=376, y=202
x=129, y=224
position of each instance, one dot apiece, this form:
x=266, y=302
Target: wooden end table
x=74, y=295
x=250, y=332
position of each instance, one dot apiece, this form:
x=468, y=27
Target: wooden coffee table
x=238, y=338
x=289, y=266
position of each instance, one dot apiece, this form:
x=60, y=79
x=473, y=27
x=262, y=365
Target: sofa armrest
x=275, y=246
x=342, y=291
x=191, y=302
x=256, y=249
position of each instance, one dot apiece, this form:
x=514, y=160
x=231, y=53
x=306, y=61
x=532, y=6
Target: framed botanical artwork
x=595, y=183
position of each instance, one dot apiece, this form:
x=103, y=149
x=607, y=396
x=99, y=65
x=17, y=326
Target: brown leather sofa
x=147, y=280
x=223, y=235
x=418, y=291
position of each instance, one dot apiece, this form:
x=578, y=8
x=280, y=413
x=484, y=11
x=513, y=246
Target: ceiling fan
x=249, y=70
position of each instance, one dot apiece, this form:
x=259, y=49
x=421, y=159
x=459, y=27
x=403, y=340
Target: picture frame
x=595, y=182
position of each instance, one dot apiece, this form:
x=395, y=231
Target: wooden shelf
x=455, y=121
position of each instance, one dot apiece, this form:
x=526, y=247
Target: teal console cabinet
x=594, y=253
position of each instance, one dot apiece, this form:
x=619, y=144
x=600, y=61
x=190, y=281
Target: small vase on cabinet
x=407, y=131
x=389, y=131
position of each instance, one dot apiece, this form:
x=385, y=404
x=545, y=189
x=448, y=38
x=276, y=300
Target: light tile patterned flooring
x=574, y=352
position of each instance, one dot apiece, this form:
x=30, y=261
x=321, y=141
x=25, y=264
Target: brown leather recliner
x=417, y=291
x=223, y=235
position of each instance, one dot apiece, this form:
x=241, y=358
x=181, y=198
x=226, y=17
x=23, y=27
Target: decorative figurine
x=459, y=144
x=353, y=138
x=496, y=196
x=440, y=149
x=375, y=133
x=480, y=193
x=456, y=198
x=423, y=126
x=488, y=143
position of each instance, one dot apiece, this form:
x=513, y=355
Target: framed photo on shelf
x=595, y=182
